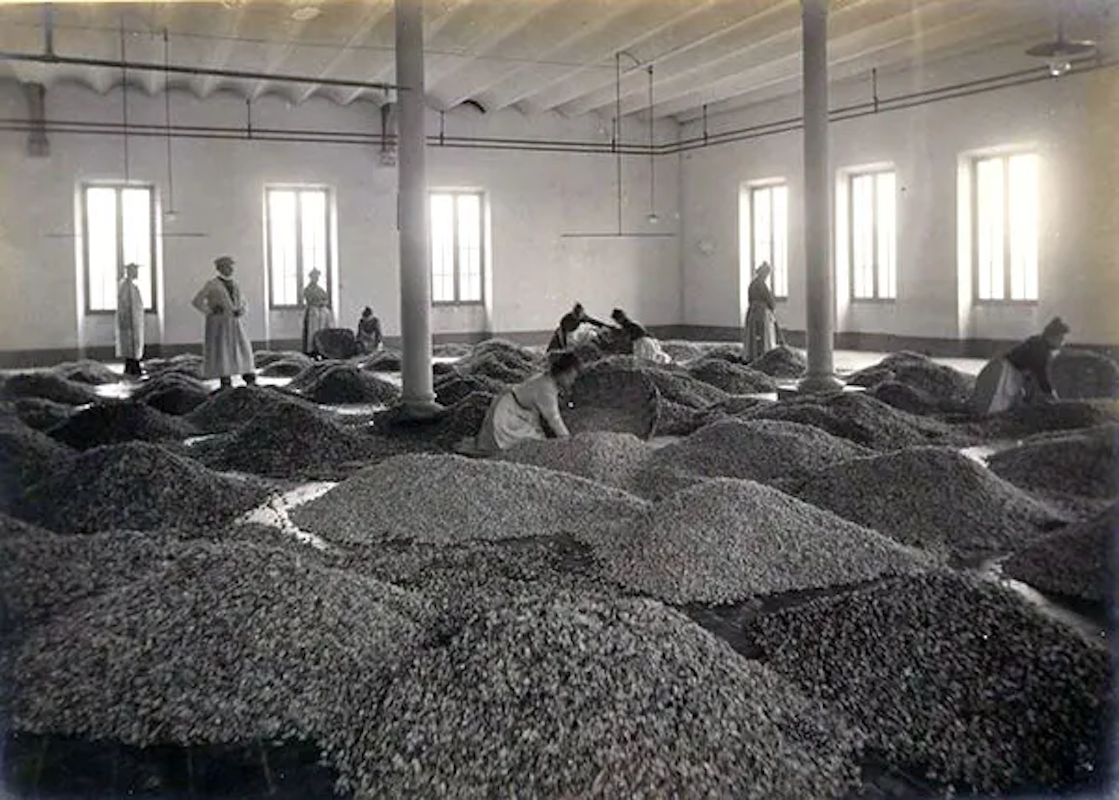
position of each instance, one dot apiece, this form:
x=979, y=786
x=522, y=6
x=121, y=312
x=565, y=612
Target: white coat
x=130, y=321
x=227, y=350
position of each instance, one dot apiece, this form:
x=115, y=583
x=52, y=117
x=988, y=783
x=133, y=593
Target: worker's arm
x=548, y=406
x=201, y=300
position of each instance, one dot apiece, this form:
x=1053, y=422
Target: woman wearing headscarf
x=569, y=323
x=318, y=314
x=520, y=413
x=759, y=334
x=130, y=322
x=642, y=344
x=368, y=334
x=226, y=350
x=1021, y=376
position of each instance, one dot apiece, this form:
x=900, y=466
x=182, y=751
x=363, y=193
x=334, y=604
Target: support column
x=412, y=214
x=817, y=208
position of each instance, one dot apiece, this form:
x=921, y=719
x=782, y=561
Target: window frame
x=457, y=269
x=117, y=187
x=301, y=272
x=1007, y=273
x=851, y=176
x=753, y=188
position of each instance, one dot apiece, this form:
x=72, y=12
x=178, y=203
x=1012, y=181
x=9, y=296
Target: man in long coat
x=130, y=322
x=227, y=350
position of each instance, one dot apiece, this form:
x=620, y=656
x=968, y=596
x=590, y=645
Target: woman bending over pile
x=643, y=345
x=518, y=414
x=1021, y=376
x=562, y=338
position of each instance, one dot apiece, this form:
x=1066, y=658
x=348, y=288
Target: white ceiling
x=533, y=55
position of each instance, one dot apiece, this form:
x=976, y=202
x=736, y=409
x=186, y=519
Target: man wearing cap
x=1022, y=375
x=130, y=322
x=318, y=315
x=226, y=350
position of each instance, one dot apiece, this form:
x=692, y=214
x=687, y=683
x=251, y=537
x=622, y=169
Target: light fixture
x=305, y=13
x=1060, y=52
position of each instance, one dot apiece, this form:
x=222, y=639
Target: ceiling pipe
x=143, y=66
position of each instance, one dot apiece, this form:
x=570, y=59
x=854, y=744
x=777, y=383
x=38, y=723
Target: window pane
x=136, y=211
x=763, y=224
x=780, y=241
x=470, y=247
x=990, y=228
x=442, y=248
x=283, y=264
x=887, y=236
x=1023, y=227
x=862, y=235
x=313, y=228
x=101, y=241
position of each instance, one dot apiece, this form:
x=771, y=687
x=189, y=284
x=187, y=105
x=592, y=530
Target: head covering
x=618, y=314
x=223, y=263
x=131, y=265
x=1056, y=327
x=367, y=312
x=314, y=273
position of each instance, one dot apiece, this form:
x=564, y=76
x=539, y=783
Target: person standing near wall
x=130, y=322
x=759, y=333
x=318, y=315
x=1022, y=375
x=226, y=350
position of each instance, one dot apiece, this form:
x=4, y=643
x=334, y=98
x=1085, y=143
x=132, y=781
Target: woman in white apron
x=644, y=346
x=519, y=413
x=1021, y=376
x=318, y=314
x=226, y=350
x=759, y=334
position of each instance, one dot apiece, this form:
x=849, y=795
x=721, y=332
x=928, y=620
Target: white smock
x=649, y=349
x=517, y=415
x=130, y=321
x=227, y=350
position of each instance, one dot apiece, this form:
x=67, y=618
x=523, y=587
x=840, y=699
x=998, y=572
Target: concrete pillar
x=817, y=208
x=412, y=214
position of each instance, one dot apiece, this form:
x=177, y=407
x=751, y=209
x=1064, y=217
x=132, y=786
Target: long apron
x=315, y=319
x=130, y=322
x=649, y=349
x=227, y=349
x=507, y=423
x=998, y=387
x=759, y=335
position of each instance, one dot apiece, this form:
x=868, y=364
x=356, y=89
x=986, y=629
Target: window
x=456, y=247
x=769, y=219
x=298, y=242
x=1005, y=227
x=872, y=235
x=118, y=228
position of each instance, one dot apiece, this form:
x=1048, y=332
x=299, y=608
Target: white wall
x=218, y=193
x=1070, y=122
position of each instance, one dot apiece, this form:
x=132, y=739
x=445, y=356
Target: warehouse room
x=558, y=398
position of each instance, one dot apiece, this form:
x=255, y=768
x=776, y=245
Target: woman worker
x=517, y=415
x=759, y=334
x=643, y=345
x=318, y=315
x=226, y=351
x=1022, y=375
x=368, y=333
x=569, y=323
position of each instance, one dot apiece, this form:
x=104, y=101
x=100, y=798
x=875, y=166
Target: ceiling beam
x=497, y=22
x=600, y=61
x=850, y=59
x=541, y=42
x=373, y=16
x=280, y=56
x=219, y=56
x=775, y=47
x=776, y=17
x=387, y=58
